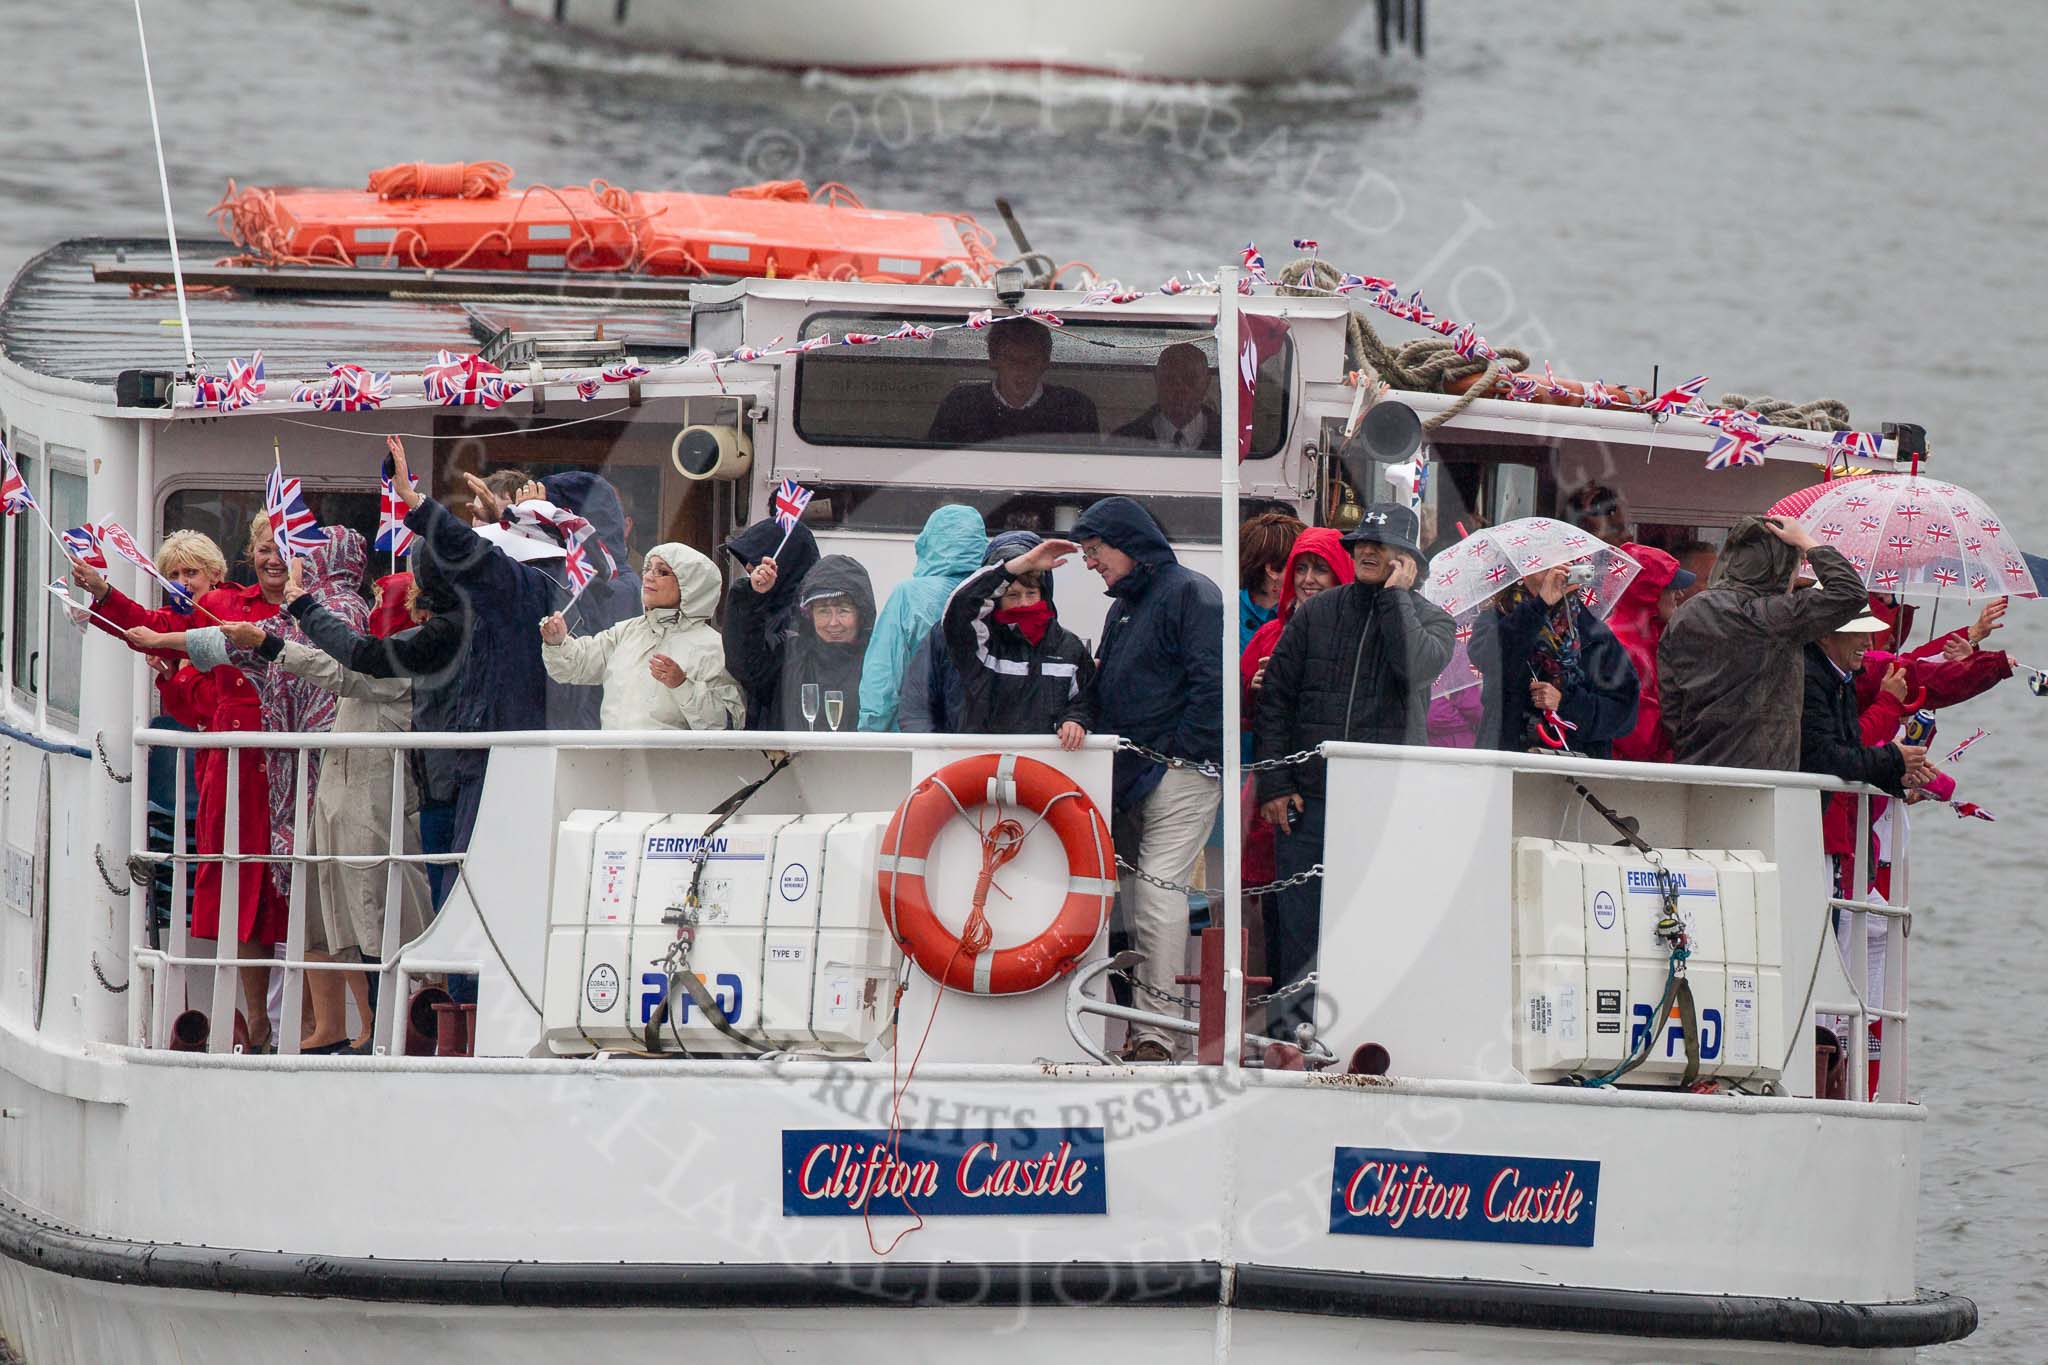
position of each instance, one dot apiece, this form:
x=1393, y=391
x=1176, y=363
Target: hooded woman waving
x=663, y=669
x=823, y=645
x=1021, y=671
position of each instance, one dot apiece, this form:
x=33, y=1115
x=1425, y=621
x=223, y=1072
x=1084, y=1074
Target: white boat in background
x=553, y=1191
x=1142, y=39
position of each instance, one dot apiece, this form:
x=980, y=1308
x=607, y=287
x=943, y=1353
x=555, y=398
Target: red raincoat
x=222, y=701
x=1637, y=626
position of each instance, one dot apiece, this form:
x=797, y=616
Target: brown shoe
x=1148, y=1050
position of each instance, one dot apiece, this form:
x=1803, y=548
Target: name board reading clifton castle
x=1459, y=1197
x=841, y=1172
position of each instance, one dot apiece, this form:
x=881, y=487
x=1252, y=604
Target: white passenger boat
x=1138, y=39
x=564, y=1190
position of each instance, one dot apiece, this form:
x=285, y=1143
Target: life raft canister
x=966, y=961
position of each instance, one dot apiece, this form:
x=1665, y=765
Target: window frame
x=25, y=693
x=1197, y=330
x=71, y=461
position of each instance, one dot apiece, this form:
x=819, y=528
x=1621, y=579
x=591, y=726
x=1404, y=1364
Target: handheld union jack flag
x=791, y=498
x=14, y=495
x=291, y=521
x=394, y=537
x=1964, y=747
x=116, y=538
x=579, y=538
x=1673, y=401
x=463, y=380
x=82, y=543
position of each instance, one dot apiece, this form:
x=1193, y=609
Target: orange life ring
x=965, y=961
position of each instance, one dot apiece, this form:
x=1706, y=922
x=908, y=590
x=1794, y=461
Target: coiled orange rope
x=441, y=180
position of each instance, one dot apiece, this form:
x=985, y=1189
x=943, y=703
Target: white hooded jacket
x=707, y=699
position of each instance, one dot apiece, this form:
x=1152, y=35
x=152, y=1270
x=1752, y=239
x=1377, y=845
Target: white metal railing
x=168, y=970
x=1855, y=913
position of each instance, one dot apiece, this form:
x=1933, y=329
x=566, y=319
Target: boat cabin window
x=66, y=642
x=225, y=513
x=901, y=509
x=27, y=554
x=1096, y=387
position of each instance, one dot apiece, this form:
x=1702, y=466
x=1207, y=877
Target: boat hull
x=1143, y=39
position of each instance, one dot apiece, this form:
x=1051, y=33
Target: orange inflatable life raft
x=465, y=216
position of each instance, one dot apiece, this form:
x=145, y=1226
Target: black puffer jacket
x=1008, y=685
x=756, y=629
x=1354, y=663
x=1831, y=732
x=1159, y=679
x=779, y=664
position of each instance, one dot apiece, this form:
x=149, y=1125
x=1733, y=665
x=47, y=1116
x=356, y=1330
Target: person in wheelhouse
x=1354, y=663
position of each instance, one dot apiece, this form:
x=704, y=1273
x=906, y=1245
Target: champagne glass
x=835, y=708
x=809, y=700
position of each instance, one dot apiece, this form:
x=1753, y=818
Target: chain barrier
x=111, y=988
x=1268, y=888
x=99, y=742
x=1187, y=1002
x=1215, y=770
x=99, y=861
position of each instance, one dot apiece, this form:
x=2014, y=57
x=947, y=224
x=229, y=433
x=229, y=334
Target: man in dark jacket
x=1159, y=683
x=1830, y=721
x=502, y=684
x=1354, y=663
x=1729, y=666
x=769, y=610
x=1021, y=671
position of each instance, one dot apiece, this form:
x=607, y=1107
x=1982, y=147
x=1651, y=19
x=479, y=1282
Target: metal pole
x=1227, y=362
x=163, y=178
x=140, y=906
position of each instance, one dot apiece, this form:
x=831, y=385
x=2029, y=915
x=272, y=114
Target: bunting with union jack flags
x=291, y=521
x=463, y=380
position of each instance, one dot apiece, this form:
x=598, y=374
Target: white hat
x=1866, y=624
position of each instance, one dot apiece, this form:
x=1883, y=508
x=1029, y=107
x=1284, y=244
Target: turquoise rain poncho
x=949, y=548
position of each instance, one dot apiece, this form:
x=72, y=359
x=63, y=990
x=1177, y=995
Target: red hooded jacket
x=1636, y=624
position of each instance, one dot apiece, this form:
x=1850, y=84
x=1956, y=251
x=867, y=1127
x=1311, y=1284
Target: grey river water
x=1802, y=199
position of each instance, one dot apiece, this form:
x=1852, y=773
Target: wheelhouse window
x=1094, y=387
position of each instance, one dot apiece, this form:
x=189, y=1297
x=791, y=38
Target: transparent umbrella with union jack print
x=1909, y=535
x=1464, y=578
